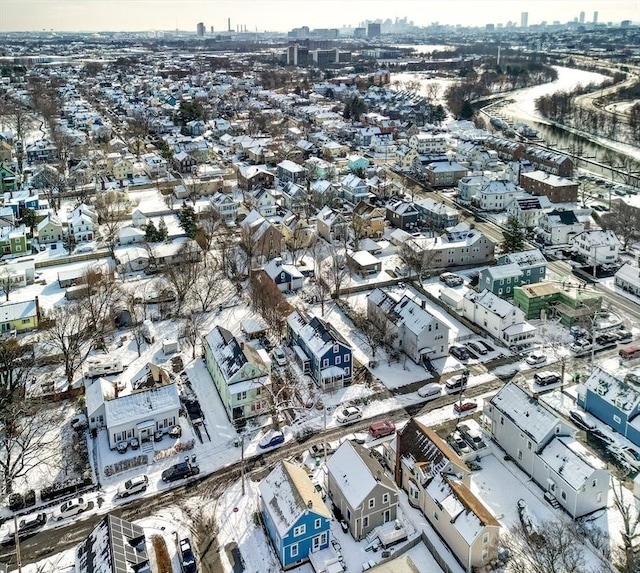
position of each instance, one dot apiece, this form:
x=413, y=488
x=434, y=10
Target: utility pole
x=17, y=538
x=242, y=462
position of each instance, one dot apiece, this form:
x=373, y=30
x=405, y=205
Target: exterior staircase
x=148, y=448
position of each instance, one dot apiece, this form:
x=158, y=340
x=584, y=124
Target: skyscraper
x=200, y=29
x=595, y=17
x=524, y=19
x=373, y=30
x=582, y=17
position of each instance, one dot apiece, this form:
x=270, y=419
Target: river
x=519, y=106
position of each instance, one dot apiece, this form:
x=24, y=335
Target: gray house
x=359, y=487
x=545, y=449
x=410, y=327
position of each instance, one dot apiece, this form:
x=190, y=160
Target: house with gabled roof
x=528, y=209
x=403, y=215
x=596, y=246
x=331, y=225
x=254, y=176
x=287, y=277
x=532, y=263
x=438, y=483
x=353, y=189
x=410, y=326
x=498, y=317
x=558, y=227
x=359, y=487
x=320, y=350
x=113, y=546
x=50, y=229
x=289, y=171
x=268, y=239
x=226, y=206
x=613, y=396
x=297, y=521
x=240, y=373
x=368, y=220
x=436, y=214
x=544, y=447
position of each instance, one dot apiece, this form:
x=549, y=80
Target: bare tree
x=191, y=331
x=210, y=285
x=184, y=275
x=103, y=292
x=267, y=299
x=25, y=439
x=232, y=257
x=112, y=208
x=556, y=549
x=335, y=270
x=7, y=281
x=377, y=334
x=67, y=333
x=624, y=221
x=628, y=560
x=138, y=127
x=209, y=222
x=299, y=239
x=138, y=314
x=418, y=259
x=16, y=364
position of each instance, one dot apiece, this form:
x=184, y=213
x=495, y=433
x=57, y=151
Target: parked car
x=473, y=436
x=318, y=450
x=459, y=352
x=318, y=487
x=536, y=358
x=459, y=444
x=430, y=391
x=271, y=439
x=486, y=346
x=70, y=508
x=580, y=346
x=382, y=429
x=279, y=357
x=464, y=407
x=456, y=383
x=477, y=348
x=134, y=443
x=349, y=415
x=180, y=471
x=175, y=431
x=31, y=523
x=546, y=378
x=134, y=485
x=580, y=420
x=187, y=557
x=624, y=335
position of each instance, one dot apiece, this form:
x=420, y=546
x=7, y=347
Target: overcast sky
x=281, y=15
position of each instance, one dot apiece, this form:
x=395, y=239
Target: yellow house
x=368, y=220
x=19, y=316
x=122, y=168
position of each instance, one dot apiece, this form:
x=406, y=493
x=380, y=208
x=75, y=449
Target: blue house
x=296, y=518
x=500, y=280
x=613, y=396
x=320, y=350
x=532, y=263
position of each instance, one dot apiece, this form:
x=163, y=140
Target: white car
x=70, y=508
x=133, y=485
x=279, y=356
x=536, y=358
x=348, y=415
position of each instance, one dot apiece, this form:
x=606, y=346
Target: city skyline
x=283, y=15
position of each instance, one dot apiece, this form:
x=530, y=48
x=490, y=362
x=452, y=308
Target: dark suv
x=459, y=352
x=180, y=471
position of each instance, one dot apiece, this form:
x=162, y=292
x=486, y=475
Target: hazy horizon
x=283, y=15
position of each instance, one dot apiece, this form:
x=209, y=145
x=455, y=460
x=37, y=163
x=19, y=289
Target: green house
x=8, y=178
x=13, y=240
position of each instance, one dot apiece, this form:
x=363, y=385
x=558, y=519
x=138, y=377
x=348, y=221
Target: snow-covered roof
x=354, y=470
x=317, y=334
x=276, y=266
x=525, y=412
x=571, y=460
x=618, y=387
x=503, y=271
x=527, y=258
x=96, y=393
x=287, y=494
x=17, y=310
x=364, y=258
x=491, y=302
x=140, y=405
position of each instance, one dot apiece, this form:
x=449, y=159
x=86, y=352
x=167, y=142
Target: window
x=365, y=521
x=435, y=515
x=348, y=514
x=520, y=455
x=325, y=363
x=594, y=483
x=346, y=371
x=372, y=503
x=317, y=524
x=599, y=497
x=385, y=498
x=502, y=420
x=485, y=538
x=294, y=550
x=337, y=360
x=616, y=419
x=529, y=445
x=300, y=530
x=563, y=495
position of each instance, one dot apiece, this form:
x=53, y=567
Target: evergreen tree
x=163, y=232
x=151, y=233
x=466, y=111
x=513, y=236
x=187, y=219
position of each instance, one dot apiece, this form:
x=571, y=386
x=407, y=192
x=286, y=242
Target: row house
x=549, y=161
x=411, y=328
x=545, y=448
x=320, y=350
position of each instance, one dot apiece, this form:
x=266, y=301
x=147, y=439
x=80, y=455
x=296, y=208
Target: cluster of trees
x=354, y=107
x=563, y=107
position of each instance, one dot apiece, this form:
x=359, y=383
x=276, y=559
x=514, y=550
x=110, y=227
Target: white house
x=501, y=319
x=136, y=415
x=597, y=247
x=545, y=449
x=81, y=227
x=225, y=206
x=558, y=227
x=428, y=143
x=496, y=195
x=130, y=235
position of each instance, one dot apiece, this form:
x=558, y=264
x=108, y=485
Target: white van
x=430, y=391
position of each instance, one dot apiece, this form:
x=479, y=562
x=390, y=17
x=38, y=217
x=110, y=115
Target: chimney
x=116, y=390
x=242, y=345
